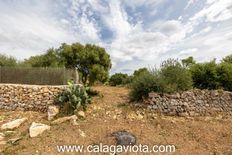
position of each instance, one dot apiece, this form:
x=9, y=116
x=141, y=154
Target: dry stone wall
x=27, y=97
x=192, y=103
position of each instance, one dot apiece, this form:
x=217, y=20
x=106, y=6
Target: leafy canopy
x=7, y=60
x=92, y=62
x=118, y=79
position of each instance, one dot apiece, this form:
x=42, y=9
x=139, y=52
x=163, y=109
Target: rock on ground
x=13, y=124
x=81, y=114
x=64, y=119
x=1, y=136
x=2, y=142
x=124, y=138
x=37, y=129
x=52, y=112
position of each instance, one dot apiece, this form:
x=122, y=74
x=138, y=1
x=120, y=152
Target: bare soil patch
x=111, y=112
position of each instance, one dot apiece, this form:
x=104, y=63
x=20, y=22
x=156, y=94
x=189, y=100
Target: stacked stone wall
x=27, y=97
x=191, y=103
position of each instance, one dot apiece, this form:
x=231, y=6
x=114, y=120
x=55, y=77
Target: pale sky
x=136, y=33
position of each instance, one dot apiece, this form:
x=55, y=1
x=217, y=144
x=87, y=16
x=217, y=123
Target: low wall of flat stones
x=27, y=97
x=192, y=103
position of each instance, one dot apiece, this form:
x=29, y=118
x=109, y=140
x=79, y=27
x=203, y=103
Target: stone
x=9, y=133
x=75, y=122
x=81, y=114
x=37, y=129
x=14, y=140
x=52, y=112
x=2, y=142
x=1, y=136
x=82, y=134
x=184, y=114
x=124, y=138
x=13, y=124
x=64, y=119
x=153, y=95
x=114, y=117
x=131, y=116
x=139, y=116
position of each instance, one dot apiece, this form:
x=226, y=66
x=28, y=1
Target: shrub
x=140, y=71
x=73, y=97
x=174, y=77
x=188, y=62
x=118, y=79
x=224, y=71
x=205, y=75
x=227, y=59
x=142, y=85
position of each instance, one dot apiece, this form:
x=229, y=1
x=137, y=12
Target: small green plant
x=73, y=97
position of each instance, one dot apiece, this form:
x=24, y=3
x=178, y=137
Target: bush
x=227, y=59
x=73, y=98
x=140, y=71
x=172, y=77
x=224, y=71
x=205, y=75
x=118, y=79
x=142, y=85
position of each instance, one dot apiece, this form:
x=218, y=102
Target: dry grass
x=111, y=112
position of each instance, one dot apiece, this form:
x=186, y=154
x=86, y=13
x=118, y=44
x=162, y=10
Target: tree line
x=92, y=61
x=175, y=76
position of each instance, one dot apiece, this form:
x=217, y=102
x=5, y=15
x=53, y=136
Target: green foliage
x=119, y=79
x=7, y=60
x=188, y=62
x=128, y=80
x=142, y=85
x=224, y=71
x=98, y=73
x=205, y=75
x=49, y=59
x=125, y=79
x=140, y=71
x=227, y=59
x=92, y=61
x=74, y=96
x=70, y=54
x=171, y=77
x=174, y=77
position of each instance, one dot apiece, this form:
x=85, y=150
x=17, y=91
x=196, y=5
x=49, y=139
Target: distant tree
x=140, y=71
x=188, y=62
x=49, y=59
x=7, y=60
x=92, y=61
x=118, y=79
x=227, y=59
